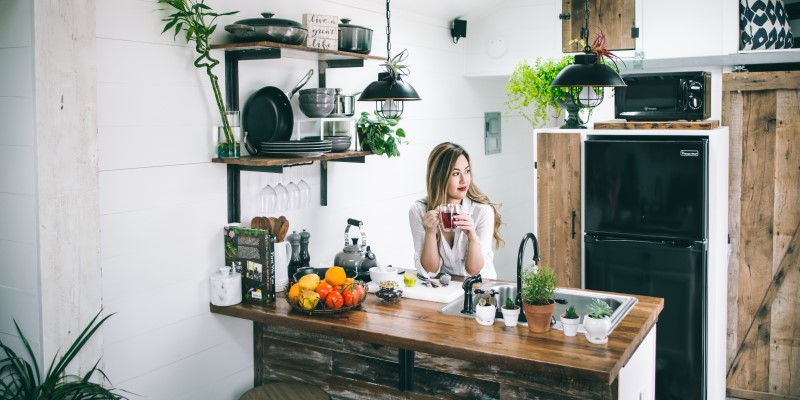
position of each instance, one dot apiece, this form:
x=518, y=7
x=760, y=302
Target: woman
x=468, y=249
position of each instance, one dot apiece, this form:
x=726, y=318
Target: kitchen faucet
x=467, y=286
x=520, y=254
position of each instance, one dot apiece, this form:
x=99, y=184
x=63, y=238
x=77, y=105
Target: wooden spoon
x=271, y=224
x=259, y=223
x=282, y=229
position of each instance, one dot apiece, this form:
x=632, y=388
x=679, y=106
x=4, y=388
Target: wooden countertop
x=417, y=325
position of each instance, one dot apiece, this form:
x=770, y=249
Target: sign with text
x=323, y=31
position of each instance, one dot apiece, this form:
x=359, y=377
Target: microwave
x=670, y=96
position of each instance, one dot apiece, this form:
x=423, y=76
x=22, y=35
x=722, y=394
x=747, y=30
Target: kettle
x=352, y=257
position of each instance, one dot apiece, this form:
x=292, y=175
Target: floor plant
x=19, y=380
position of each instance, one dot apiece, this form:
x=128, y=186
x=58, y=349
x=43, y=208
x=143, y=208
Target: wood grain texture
x=268, y=162
x=559, y=195
x=323, y=54
x=758, y=81
x=418, y=326
x=691, y=125
x=764, y=271
x=614, y=18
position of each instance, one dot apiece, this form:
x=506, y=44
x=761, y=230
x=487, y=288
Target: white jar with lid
x=226, y=287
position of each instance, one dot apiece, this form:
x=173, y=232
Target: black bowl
x=301, y=272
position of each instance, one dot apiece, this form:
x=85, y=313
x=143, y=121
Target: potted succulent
x=598, y=322
x=570, y=321
x=510, y=312
x=379, y=135
x=486, y=308
x=538, y=287
x=21, y=380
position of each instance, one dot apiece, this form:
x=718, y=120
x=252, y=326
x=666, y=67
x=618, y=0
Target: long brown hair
x=441, y=162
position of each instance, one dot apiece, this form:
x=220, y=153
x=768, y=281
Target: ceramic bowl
x=316, y=110
x=386, y=274
x=316, y=98
x=328, y=91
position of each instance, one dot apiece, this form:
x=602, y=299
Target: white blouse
x=452, y=258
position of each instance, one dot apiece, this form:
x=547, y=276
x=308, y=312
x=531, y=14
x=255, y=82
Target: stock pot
x=354, y=38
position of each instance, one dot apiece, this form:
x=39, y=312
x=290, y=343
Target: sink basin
x=564, y=297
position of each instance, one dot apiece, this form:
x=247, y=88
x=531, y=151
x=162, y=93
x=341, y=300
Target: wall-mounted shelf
x=235, y=52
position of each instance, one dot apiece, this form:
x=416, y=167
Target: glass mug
x=448, y=212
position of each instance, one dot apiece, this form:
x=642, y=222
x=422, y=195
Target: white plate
x=292, y=154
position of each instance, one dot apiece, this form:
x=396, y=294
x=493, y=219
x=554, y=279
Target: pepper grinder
x=305, y=258
x=294, y=260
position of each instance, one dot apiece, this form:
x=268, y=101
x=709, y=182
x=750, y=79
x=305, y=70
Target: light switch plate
x=492, y=133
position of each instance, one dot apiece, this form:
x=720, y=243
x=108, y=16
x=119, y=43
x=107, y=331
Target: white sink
x=564, y=297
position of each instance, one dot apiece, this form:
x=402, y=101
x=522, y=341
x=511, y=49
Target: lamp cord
x=389, y=32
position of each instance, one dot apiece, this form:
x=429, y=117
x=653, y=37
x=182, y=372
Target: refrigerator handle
x=675, y=244
x=573, y=224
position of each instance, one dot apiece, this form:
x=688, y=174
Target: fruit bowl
x=348, y=297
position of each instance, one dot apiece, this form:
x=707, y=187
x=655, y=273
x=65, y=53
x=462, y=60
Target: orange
x=349, y=281
x=294, y=293
x=335, y=276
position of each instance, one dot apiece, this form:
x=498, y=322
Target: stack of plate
x=340, y=143
x=293, y=148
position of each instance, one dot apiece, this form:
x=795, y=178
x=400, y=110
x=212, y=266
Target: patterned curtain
x=764, y=24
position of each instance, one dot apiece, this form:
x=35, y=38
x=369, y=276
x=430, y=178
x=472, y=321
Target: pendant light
x=389, y=92
x=587, y=76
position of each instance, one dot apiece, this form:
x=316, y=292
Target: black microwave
x=670, y=96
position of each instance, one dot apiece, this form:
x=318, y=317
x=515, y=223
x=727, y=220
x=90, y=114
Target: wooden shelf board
x=324, y=54
x=268, y=162
x=619, y=124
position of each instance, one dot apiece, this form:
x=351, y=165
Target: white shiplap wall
x=19, y=265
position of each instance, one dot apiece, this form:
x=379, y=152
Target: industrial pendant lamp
x=389, y=92
x=587, y=77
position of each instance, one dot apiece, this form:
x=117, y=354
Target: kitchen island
x=410, y=350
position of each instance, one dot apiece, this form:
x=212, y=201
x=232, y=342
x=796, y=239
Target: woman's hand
x=431, y=221
x=466, y=224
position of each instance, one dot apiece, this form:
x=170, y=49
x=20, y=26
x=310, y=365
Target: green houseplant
x=195, y=20
x=570, y=321
x=19, y=380
x=528, y=89
x=510, y=312
x=378, y=134
x=486, y=308
x=598, y=322
x=538, y=287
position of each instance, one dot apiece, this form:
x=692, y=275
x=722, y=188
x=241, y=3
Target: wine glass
x=305, y=191
x=294, y=192
x=282, y=199
x=267, y=199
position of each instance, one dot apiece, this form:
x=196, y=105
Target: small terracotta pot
x=539, y=316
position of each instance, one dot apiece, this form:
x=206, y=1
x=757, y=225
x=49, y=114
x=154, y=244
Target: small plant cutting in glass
x=195, y=20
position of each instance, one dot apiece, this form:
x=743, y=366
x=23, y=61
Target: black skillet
x=268, y=115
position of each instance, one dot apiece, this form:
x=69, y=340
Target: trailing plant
x=196, y=20
x=379, y=134
x=538, y=285
x=19, y=380
x=571, y=313
x=599, y=309
x=510, y=304
x=528, y=89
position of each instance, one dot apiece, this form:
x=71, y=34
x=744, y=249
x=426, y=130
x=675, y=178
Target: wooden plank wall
x=764, y=269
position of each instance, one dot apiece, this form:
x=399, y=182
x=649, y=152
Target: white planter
x=596, y=329
x=510, y=317
x=570, y=325
x=485, y=314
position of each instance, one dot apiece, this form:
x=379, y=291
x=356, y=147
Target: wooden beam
x=736, y=81
x=790, y=263
x=753, y=395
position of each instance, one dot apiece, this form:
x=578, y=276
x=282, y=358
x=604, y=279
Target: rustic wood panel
x=614, y=17
x=748, y=81
x=323, y=54
x=784, y=366
x=418, y=326
x=692, y=125
x=269, y=162
x=559, y=195
x=764, y=270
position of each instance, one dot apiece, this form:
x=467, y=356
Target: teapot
x=353, y=256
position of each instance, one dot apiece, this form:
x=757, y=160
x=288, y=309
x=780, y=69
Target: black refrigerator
x=646, y=230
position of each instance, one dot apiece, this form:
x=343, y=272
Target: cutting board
x=442, y=294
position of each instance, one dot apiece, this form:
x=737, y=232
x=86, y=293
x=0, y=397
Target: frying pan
x=268, y=115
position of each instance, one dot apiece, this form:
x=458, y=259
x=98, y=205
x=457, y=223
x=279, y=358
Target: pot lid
x=346, y=24
x=269, y=21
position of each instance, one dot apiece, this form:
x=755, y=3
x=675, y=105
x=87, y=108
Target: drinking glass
x=267, y=199
x=283, y=198
x=447, y=212
x=294, y=193
x=305, y=191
